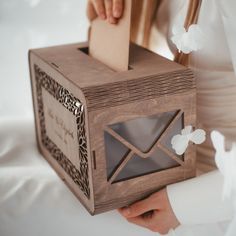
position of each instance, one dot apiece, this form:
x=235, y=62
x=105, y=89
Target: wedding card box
x=106, y=132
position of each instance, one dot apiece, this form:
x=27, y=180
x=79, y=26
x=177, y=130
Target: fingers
x=154, y=213
x=139, y=207
x=91, y=13
x=138, y=220
x=109, y=13
x=118, y=6
x=153, y=222
x=100, y=8
x=111, y=10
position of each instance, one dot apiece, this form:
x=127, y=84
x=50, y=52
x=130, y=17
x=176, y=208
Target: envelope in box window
x=141, y=146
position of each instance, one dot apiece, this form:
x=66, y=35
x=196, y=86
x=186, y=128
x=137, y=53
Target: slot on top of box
x=85, y=50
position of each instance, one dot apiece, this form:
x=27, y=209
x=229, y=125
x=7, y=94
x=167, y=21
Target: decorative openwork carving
x=74, y=105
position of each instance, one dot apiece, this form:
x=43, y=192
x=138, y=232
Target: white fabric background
x=33, y=200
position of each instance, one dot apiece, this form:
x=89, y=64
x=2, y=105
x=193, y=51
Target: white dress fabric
x=198, y=203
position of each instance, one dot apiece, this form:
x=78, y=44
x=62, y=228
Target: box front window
x=141, y=146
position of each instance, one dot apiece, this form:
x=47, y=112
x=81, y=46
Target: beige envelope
x=109, y=43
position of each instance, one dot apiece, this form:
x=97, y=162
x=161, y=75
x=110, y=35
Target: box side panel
x=62, y=127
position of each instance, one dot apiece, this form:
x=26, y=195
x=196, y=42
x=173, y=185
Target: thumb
x=139, y=208
x=91, y=13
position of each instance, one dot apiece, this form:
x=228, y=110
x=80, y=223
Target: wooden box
x=106, y=133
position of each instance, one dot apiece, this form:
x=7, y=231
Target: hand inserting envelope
x=109, y=43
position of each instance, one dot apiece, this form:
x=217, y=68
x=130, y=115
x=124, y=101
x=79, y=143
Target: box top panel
x=77, y=66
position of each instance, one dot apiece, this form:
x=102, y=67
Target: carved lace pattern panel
x=74, y=105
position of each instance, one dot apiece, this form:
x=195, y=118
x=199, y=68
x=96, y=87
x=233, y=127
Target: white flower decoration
x=187, y=41
x=180, y=142
x=225, y=161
